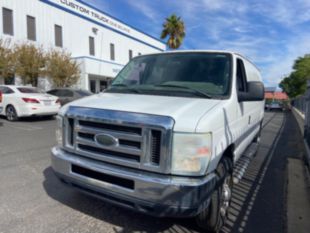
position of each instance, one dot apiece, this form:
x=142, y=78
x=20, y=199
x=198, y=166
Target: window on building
x=92, y=86
x=112, y=52
x=130, y=54
x=92, y=46
x=7, y=18
x=103, y=85
x=10, y=81
x=58, y=36
x=31, y=28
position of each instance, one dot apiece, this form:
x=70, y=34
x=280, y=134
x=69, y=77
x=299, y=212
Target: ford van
x=163, y=139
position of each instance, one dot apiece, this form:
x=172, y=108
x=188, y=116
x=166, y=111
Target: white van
x=164, y=137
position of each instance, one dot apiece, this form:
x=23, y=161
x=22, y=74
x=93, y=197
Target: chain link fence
x=302, y=103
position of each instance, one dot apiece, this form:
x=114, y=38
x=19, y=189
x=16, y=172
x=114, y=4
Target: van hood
x=185, y=111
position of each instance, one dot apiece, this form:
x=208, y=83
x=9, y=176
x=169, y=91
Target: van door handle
x=249, y=121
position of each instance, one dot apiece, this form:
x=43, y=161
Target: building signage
x=91, y=14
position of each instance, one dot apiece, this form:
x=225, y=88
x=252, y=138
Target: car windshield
x=205, y=75
x=28, y=90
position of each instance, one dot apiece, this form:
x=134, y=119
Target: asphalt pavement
x=33, y=200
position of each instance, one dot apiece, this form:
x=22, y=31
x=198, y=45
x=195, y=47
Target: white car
x=20, y=101
x=275, y=106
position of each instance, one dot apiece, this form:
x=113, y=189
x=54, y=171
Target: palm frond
x=174, y=28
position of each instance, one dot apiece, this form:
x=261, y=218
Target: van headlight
x=191, y=153
x=59, y=130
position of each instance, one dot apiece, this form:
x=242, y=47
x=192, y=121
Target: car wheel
x=213, y=218
x=11, y=114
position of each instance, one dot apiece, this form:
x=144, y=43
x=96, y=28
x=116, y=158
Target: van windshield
x=204, y=75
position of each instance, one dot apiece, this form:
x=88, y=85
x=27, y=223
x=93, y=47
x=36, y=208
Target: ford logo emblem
x=106, y=140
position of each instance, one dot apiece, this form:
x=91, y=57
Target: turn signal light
x=31, y=100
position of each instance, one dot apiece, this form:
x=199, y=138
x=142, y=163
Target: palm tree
x=174, y=28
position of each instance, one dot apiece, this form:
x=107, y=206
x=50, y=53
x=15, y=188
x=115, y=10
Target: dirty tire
x=213, y=218
x=258, y=136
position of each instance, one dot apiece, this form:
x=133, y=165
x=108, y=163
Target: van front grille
x=144, y=142
x=155, y=146
x=104, y=126
x=108, y=153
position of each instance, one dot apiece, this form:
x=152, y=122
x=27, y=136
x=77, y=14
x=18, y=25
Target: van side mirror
x=255, y=92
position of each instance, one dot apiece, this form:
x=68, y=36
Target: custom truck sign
x=85, y=11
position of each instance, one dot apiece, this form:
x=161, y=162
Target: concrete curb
x=307, y=153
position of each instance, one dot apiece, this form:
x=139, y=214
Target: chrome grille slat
x=108, y=158
x=121, y=149
x=126, y=136
x=136, y=147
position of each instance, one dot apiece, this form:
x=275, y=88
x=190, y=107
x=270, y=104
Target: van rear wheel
x=213, y=218
x=257, y=138
x=258, y=135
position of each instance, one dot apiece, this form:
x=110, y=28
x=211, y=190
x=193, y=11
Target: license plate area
x=47, y=102
x=118, y=181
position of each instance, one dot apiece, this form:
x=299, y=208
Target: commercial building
x=100, y=43
x=272, y=95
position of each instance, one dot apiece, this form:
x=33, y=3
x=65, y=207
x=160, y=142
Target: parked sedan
x=67, y=95
x=275, y=106
x=19, y=101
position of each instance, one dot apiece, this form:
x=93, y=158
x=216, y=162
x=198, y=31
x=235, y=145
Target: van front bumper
x=147, y=192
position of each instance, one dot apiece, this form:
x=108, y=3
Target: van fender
x=228, y=152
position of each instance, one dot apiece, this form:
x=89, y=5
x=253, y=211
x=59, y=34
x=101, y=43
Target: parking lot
x=33, y=200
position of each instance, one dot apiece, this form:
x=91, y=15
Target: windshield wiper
x=119, y=85
x=195, y=91
x=126, y=87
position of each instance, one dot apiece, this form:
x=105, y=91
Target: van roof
x=209, y=51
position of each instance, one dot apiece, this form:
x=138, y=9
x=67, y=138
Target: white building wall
x=78, y=20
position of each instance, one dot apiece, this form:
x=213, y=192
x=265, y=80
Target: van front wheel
x=213, y=218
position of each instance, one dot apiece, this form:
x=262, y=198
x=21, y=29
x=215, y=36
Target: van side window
x=241, y=76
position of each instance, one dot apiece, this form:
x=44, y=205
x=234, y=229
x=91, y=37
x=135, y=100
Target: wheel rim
x=226, y=196
x=10, y=113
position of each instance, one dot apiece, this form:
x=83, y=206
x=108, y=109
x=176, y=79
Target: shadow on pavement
x=246, y=193
x=31, y=119
x=128, y=220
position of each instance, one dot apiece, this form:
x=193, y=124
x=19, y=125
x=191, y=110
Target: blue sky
x=272, y=33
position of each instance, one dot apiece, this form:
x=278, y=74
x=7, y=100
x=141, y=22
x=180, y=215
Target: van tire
x=258, y=135
x=11, y=114
x=213, y=218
